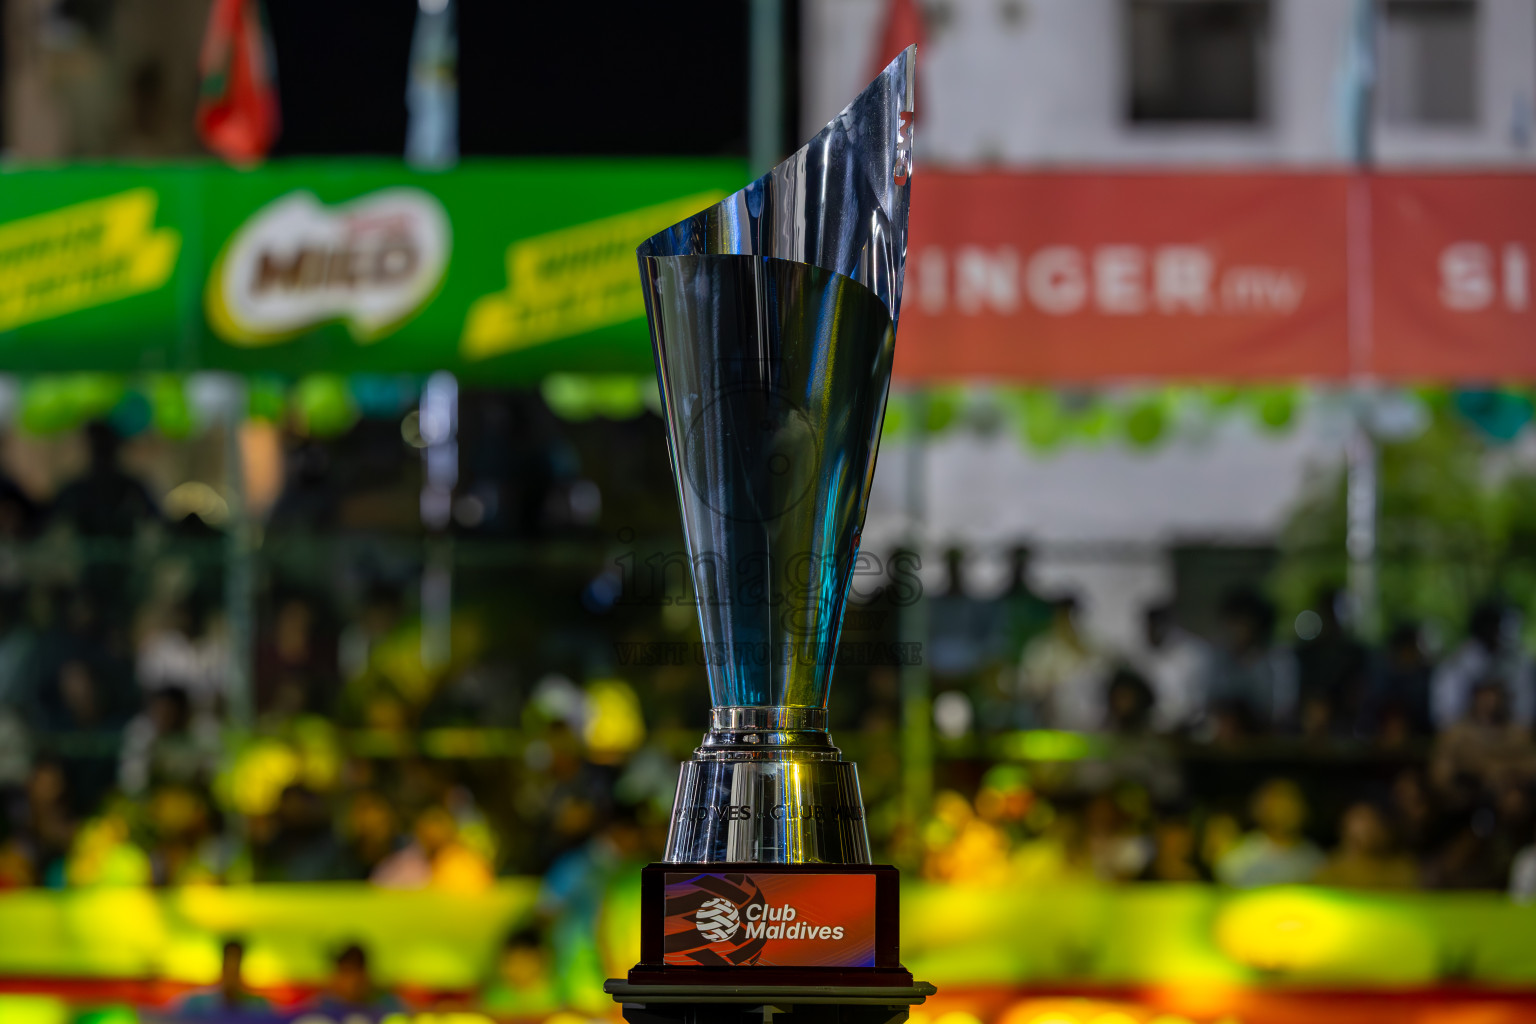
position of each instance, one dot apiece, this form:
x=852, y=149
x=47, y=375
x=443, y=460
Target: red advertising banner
x=1087, y=277
x=1451, y=259
x=770, y=919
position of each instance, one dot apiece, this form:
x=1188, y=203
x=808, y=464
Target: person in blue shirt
x=229, y=996
x=352, y=988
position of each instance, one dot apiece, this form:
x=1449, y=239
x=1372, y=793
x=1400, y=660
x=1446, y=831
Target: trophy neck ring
x=767, y=733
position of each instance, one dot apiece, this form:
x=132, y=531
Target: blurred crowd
x=1415, y=771
x=1023, y=661
x=1404, y=835
x=132, y=753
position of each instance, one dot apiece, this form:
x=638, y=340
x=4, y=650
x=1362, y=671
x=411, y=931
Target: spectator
x=1253, y=679
x=1275, y=852
x=1061, y=676
x=297, y=658
x=18, y=655
x=571, y=899
x=230, y=995
x=1138, y=758
x=18, y=684
x=188, y=847
x=1174, y=855
x=563, y=789
x=104, y=852
x=1490, y=650
x=959, y=627
x=169, y=742
x=1485, y=750
x=523, y=983
x=185, y=650
x=382, y=615
x=1412, y=811
x=1331, y=667
x=1177, y=664
x=1366, y=858
x=371, y=833
x=352, y=989
x=105, y=508
x=1475, y=854
x=15, y=866
x=1058, y=854
x=1522, y=875
x=73, y=628
x=87, y=723
x=1115, y=847
x=42, y=824
x=1019, y=613
x=1397, y=698
x=1131, y=704
x=436, y=858
x=15, y=751
x=19, y=520
x=310, y=494
x=296, y=843
x=106, y=502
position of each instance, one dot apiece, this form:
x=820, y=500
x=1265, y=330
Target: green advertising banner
x=502, y=271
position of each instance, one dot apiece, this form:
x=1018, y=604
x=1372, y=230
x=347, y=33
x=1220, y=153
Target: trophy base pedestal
x=737, y=943
x=764, y=1003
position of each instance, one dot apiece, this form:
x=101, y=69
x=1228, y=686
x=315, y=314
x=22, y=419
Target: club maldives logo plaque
x=769, y=919
x=773, y=321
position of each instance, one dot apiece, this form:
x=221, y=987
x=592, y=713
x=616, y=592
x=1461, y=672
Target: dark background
x=620, y=78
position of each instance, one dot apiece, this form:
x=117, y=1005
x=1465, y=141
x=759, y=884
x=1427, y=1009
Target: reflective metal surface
x=768, y=812
x=773, y=318
x=839, y=202
x=775, y=375
x=766, y=733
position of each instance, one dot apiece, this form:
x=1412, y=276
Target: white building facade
x=1158, y=82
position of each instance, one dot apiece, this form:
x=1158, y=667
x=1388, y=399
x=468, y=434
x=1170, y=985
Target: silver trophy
x=773, y=318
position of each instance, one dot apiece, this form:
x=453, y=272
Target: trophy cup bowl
x=773, y=320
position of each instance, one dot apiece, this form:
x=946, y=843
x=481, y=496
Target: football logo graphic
x=707, y=920
x=718, y=920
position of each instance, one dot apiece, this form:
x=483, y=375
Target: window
x=1197, y=60
x=1428, y=62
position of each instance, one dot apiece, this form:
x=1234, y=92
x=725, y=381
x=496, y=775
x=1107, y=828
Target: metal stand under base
x=765, y=1004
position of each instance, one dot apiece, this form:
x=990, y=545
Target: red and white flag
x=903, y=26
x=237, y=115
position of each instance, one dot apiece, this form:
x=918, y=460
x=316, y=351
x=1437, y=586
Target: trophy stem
x=767, y=733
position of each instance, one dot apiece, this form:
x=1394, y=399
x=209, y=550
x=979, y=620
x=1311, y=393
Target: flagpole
x=766, y=116
x=1362, y=459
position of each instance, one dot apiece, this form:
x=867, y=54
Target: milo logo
x=371, y=264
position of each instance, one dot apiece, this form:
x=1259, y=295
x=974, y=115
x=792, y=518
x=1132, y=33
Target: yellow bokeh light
x=33, y=1010
x=194, y=959
x=1071, y=1011
x=958, y=1017
x=1282, y=930
x=263, y=967
x=260, y=773
x=615, y=725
